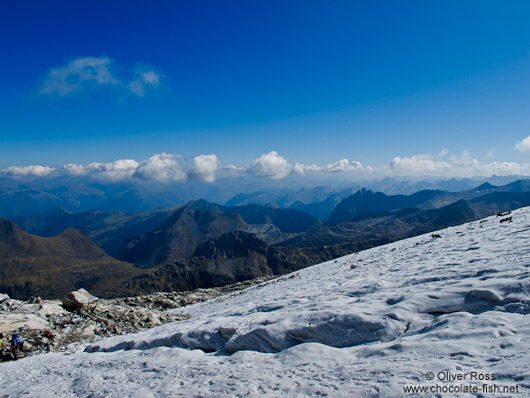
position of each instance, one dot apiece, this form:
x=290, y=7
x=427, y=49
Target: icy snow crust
x=363, y=325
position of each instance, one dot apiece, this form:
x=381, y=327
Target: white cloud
x=344, y=165
x=270, y=165
x=75, y=169
x=524, y=145
x=136, y=87
x=166, y=167
x=90, y=72
x=145, y=79
x=33, y=170
x=163, y=167
x=456, y=166
x=78, y=74
x=418, y=164
x=118, y=170
x=204, y=167
x=151, y=77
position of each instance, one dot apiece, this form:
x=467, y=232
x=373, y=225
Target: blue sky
x=403, y=87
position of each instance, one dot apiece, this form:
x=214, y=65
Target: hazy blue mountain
x=287, y=220
x=24, y=196
x=366, y=201
x=386, y=226
x=320, y=210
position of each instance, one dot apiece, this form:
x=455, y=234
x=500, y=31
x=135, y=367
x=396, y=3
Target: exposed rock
x=13, y=322
x=48, y=326
x=34, y=300
x=178, y=236
x=77, y=299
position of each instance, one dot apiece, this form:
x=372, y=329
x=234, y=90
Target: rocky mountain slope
x=384, y=227
x=96, y=319
x=366, y=201
x=231, y=258
x=172, y=246
x=178, y=236
x=52, y=266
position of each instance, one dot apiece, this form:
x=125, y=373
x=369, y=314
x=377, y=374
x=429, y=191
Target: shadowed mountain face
x=499, y=201
x=52, y=266
x=179, y=236
x=233, y=257
x=384, y=227
x=110, y=229
x=367, y=202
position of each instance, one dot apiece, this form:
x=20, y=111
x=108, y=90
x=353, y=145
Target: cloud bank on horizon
x=167, y=167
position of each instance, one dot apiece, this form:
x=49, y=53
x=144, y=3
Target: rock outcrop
x=78, y=299
x=49, y=326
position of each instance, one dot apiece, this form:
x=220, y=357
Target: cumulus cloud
x=73, y=169
x=91, y=72
x=270, y=165
x=33, y=170
x=456, y=166
x=163, y=167
x=115, y=171
x=344, y=165
x=204, y=168
x=167, y=168
x=524, y=145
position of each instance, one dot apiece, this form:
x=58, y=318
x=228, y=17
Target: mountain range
x=203, y=244
x=22, y=196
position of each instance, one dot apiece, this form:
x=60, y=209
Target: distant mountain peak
x=485, y=187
